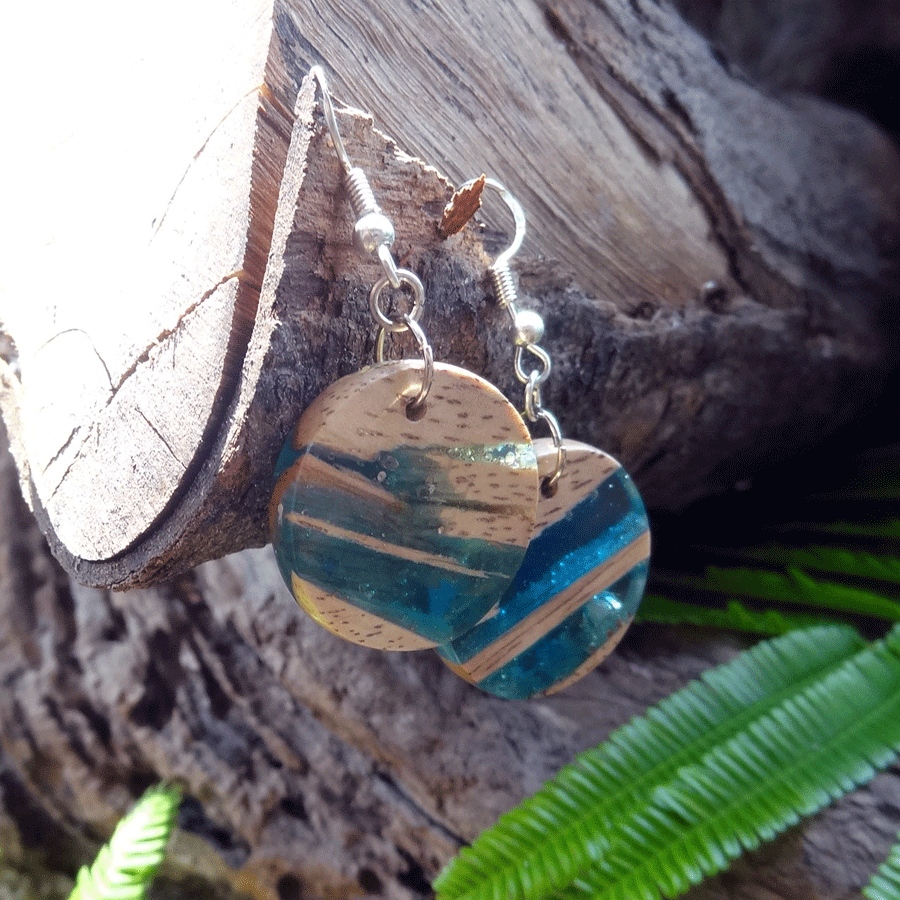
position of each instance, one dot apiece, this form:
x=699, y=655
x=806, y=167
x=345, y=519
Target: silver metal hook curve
x=518, y=216
x=330, y=118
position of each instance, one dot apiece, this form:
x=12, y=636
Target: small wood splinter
x=461, y=207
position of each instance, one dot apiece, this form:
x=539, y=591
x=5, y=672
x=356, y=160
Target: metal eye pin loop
x=373, y=232
x=541, y=375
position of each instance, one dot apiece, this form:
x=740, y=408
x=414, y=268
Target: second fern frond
x=127, y=864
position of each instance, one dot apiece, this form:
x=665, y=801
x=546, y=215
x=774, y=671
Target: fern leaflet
x=735, y=616
x=885, y=883
x=125, y=865
x=793, y=586
x=835, y=560
x=885, y=529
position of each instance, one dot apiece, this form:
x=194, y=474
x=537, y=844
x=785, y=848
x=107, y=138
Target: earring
x=406, y=495
x=584, y=573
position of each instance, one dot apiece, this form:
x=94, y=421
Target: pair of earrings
x=412, y=508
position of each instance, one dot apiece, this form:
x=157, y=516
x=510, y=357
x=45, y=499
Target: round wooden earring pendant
x=577, y=590
x=396, y=530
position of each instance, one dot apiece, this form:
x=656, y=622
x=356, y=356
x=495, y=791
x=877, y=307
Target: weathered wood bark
x=833, y=48
x=313, y=768
x=146, y=418
x=647, y=172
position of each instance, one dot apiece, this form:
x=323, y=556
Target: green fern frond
x=885, y=529
x=815, y=746
x=126, y=865
x=885, y=883
x=735, y=616
x=833, y=560
x=582, y=816
x=793, y=586
x=880, y=482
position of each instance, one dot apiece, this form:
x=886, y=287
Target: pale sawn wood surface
x=711, y=260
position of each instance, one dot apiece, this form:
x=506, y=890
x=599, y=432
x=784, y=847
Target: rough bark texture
x=314, y=768
x=713, y=264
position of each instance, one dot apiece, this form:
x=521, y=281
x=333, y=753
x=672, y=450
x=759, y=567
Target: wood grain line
x=396, y=550
x=352, y=623
x=534, y=626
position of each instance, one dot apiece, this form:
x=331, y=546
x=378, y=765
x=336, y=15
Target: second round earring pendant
x=577, y=590
x=583, y=576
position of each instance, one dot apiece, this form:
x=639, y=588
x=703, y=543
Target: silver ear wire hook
x=331, y=119
x=373, y=231
x=501, y=274
x=528, y=328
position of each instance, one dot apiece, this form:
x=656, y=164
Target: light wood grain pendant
x=401, y=532
x=578, y=588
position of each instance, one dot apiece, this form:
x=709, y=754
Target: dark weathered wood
x=836, y=48
x=711, y=261
x=313, y=767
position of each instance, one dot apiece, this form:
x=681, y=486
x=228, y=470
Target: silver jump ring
x=404, y=276
x=427, y=359
x=427, y=356
x=556, y=435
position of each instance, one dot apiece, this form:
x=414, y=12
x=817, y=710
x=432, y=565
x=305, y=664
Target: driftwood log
x=715, y=264
x=313, y=768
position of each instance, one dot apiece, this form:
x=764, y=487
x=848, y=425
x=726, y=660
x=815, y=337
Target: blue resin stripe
x=419, y=526
x=404, y=493
x=578, y=587
x=387, y=554
x=574, y=647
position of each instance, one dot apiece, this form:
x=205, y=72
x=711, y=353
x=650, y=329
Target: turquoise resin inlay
x=430, y=600
x=569, y=645
x=610, y=522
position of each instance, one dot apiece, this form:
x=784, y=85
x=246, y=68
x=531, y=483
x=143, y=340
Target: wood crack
x=159, y=223
x=703, y=187
x=92, y=428
x=89, y=339
x=144, y=356
x=406, y=798
x=162, y=439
